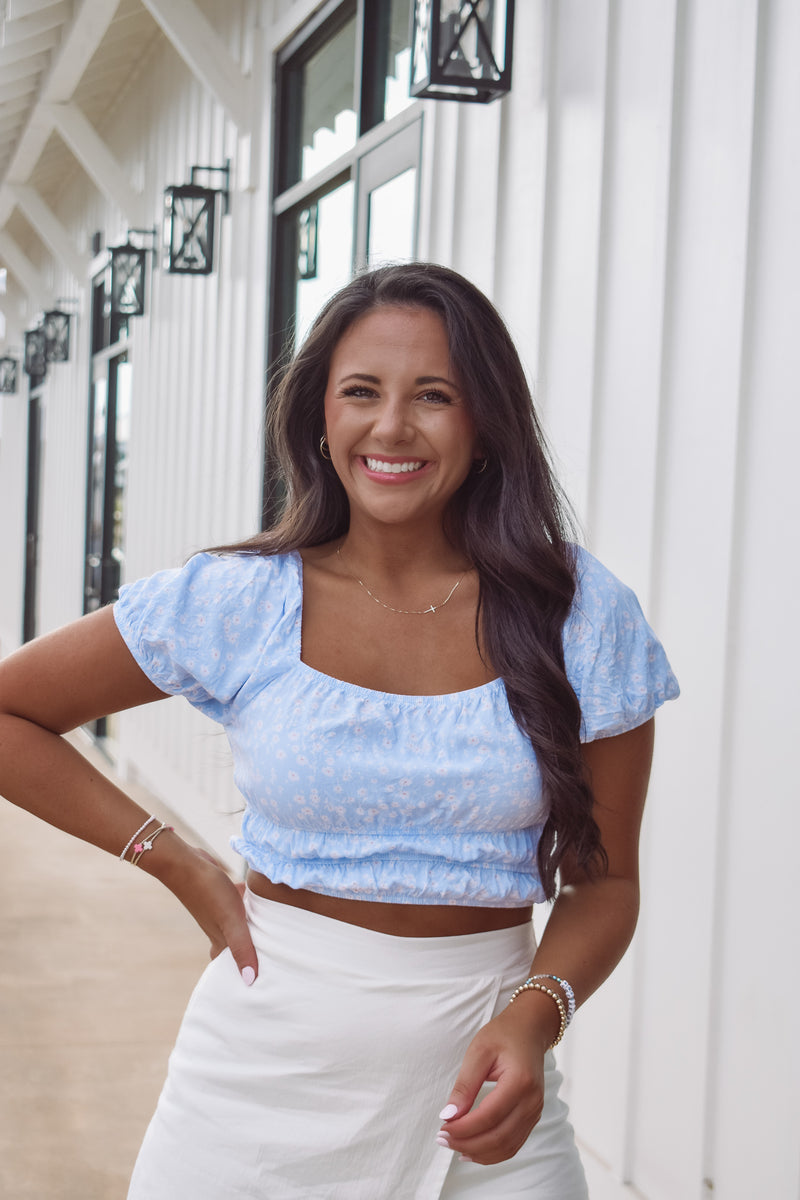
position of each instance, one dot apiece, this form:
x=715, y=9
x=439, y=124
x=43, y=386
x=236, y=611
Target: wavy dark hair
x=511, y=521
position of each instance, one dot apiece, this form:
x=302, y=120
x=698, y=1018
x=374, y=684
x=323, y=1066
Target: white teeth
x=392, y=468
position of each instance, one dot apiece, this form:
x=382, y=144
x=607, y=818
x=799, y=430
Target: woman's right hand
x=208, y=893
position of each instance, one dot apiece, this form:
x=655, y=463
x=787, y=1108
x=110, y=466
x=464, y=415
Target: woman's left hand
x=509, y=1052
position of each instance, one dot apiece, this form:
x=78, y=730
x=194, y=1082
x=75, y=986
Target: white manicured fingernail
x=448, y=1111
x=443, y=1142
x=248, y=975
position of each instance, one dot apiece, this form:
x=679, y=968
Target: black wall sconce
x=462, y=49
x=128, y=263
x=56, y=336
x=35, y=360
x=189, y=223
x=8, y=375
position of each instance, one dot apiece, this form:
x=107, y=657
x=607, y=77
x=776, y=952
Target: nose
x=392, y=420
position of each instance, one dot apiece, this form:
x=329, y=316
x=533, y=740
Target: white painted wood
x=26, y=156
x=571, y=245
x=50, y=229
x=754, y=1093
x=522, y=175
x=13, y=470
x=97, y=160
x=200, y=48
x=26, y=273
x=80, y=41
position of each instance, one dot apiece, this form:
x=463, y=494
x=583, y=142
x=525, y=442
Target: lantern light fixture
x=36, y=353
x=8, y=375
x=128, y=263
x=56, y=335
x=190, y=221
x=462, y=49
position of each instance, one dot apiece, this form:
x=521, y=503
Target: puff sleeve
x=614, y=661
x=197, y=631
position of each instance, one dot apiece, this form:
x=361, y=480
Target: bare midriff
x=402, y=920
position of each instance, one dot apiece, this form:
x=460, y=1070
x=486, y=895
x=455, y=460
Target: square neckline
x=412, y=697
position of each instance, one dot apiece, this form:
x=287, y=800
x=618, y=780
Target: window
x=347, y=149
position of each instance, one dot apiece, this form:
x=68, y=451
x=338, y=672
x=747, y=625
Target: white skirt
x=324, y=1080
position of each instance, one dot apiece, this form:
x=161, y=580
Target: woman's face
x=401, y=437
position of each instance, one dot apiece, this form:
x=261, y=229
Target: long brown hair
x=510, y=520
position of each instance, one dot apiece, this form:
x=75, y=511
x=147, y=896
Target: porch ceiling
x=85, y=52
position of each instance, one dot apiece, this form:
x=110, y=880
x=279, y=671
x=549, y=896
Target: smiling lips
x=393, y=468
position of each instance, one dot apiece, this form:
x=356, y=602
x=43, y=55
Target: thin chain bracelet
x=530, y=986
x=141, y=848
x=567, y=990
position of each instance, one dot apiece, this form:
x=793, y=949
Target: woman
x=436, y=704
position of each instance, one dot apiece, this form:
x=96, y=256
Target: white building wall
x=632, y=208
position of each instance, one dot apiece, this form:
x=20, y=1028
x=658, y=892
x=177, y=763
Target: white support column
x=50, y=229
x=97, y=160
x=206, y=57
x=23, y=270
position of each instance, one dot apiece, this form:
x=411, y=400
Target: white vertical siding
x=754, y=1092
x=656, y=157
x=13, y=474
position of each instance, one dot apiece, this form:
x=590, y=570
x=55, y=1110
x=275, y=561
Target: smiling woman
x=439, y=709
x=401, y=436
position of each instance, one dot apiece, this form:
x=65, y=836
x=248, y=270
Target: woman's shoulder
x=212, y=585
x=596, y=584
x=238, y=569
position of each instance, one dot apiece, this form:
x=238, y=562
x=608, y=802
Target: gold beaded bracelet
x=530, y=986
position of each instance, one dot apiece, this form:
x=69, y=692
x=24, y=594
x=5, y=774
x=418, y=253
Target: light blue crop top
x=369, y=795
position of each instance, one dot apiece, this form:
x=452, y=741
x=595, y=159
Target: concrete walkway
x=98, y=961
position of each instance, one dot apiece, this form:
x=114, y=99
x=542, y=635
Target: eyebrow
x=420, y=381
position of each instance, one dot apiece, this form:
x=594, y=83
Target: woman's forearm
x=41, y=772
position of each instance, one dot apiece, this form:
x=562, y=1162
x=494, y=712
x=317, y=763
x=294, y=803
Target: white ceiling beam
x=30, y=147
x=80, y=41
x=97, y=160
x=18, y=29
x=50, y=230
x=21, y=67
x=23, y=270
x=206, y=56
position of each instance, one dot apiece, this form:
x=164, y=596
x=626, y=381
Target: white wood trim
x=23, y=270
x=206, y=56
x=81, y=40
x=50, y=229
x=97, y=160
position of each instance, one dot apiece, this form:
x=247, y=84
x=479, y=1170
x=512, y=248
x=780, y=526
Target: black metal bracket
x=225, y=191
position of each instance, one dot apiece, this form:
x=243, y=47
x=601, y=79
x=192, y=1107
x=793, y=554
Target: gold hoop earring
x=324, y=449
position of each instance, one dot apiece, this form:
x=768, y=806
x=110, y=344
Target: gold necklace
x=407, y=612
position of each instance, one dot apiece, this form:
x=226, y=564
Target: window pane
x=398, y=63
x=328, y=126
x=334, y=256
x=390, y=236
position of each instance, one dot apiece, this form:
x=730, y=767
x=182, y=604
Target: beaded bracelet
x=568, y=992
x=141, y=829
x=530, y=986
x=141, y=848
